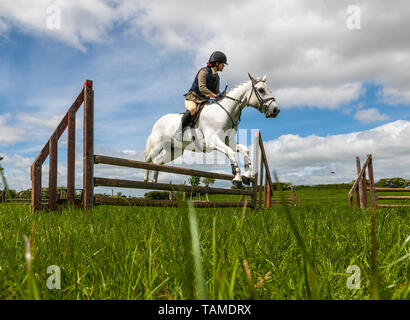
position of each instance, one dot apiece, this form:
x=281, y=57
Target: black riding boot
x=186, y=119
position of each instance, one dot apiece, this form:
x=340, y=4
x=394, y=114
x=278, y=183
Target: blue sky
x=333, y=84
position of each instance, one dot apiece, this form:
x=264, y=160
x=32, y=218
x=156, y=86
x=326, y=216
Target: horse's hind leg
x=247, y=175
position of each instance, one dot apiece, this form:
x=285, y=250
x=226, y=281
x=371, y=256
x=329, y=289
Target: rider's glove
x=219, y=95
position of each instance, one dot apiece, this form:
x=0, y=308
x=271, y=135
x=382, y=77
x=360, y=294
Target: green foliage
x=392, y=183
x=208, y=181
x=194, y=181
x=282, y=186
x=24, y=194
x=157, y=195
x=337, y=186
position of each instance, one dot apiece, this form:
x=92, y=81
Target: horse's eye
x=261, y=90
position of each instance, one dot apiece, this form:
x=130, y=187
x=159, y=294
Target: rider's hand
x=219, y=95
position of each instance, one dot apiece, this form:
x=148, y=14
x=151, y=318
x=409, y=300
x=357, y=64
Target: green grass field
x=167, y=253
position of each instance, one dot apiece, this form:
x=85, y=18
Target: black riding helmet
x=217, y=56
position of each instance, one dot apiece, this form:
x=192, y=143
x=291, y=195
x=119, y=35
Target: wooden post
x=268, y=195
x=371, y=183
x=36, y=186
x=88, y=158
x=265, y=161
x=265, y=191
x=71, y=157
x=364, y=186
x=52, y=173
x=359, y=189
x=256, y=158
x=261, y=185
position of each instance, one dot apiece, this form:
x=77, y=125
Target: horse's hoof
x=246, y=180
x=237, y=183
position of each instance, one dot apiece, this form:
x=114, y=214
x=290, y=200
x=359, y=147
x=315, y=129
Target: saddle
x=195, y=117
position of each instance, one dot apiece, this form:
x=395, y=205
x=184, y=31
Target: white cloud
x=81, y=21
x=310, y=160
x=9, y=134
x=319, y=96
x=39, y=120
x=304, y=48
x=395, y=96
x=370, y=115
x=17, y=171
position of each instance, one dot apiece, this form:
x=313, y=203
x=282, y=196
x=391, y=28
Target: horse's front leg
x=247, y=174
x=219, y=145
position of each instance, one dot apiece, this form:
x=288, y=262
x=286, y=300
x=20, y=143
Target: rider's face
x=221, y=66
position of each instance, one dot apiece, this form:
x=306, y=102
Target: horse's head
x=260, y=97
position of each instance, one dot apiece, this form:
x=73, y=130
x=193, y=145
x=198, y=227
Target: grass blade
x=196, y=253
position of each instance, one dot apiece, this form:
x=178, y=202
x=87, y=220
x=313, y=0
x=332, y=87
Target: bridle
x=261, y=101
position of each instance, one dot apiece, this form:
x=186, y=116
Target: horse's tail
x=147, y=147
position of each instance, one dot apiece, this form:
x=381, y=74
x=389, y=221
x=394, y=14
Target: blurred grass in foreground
x=149, y=253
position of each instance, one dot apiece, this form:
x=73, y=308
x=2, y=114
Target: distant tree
x=208, y=181
x=392, y=182
x=157, y=195
x=194, y=181
x=12, y=193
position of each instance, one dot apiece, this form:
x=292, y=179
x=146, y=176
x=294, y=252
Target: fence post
x=359, y=188
x=71, y=157
x=256, y=162
x=52, y=175
x=371, y=183
x=36, y=186
x=268, y=195
x=364, y=186
x=261, y=185
x=88, y=157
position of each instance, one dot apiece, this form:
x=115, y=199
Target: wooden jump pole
x=99, y=159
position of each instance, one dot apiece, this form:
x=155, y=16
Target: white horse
x=217, y=121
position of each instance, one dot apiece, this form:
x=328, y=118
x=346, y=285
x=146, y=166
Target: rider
x=205, y=86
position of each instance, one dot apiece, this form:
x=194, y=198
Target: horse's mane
x=237, y=86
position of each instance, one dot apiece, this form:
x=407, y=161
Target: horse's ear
x=264, y=78
x=250, y=77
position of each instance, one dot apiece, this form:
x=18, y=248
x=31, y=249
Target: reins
x=260, y=100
